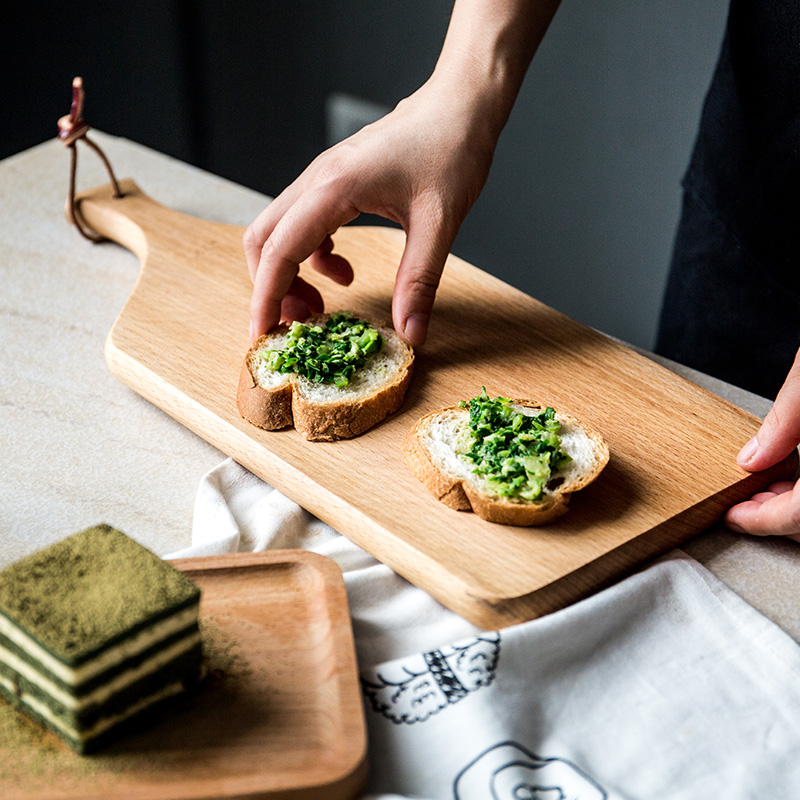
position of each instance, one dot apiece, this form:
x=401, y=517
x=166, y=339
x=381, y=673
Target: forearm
x=487, y=50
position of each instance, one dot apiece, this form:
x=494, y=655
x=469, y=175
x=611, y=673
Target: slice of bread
x=324, y=411
x=432, y=446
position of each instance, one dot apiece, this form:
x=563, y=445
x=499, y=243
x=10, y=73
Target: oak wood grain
x=180, y=340
x=277, y=717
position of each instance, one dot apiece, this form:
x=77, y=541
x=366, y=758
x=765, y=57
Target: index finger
x=259, y=230
x=298, y=233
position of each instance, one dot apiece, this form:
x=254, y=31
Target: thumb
x=427, y=247
x=779, y=434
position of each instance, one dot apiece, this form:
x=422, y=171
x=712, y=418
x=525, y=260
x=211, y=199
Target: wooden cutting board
x=181, y=338
x=277, y=717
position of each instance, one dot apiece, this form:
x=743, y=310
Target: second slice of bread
x=323, y=411
x=432, y=446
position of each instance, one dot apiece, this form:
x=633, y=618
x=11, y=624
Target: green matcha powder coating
x=82, y=594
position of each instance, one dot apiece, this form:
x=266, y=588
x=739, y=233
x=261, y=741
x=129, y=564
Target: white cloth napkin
x=666, y=686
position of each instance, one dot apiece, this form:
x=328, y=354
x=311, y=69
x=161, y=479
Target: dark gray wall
x=584, y=194
x=583, y=199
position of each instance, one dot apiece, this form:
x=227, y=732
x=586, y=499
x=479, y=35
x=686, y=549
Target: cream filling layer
x=131, y=646
x=105, y=690
x=101, y=725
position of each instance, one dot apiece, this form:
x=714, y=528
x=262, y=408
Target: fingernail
x=252, y=328
x=415, y=329
x=747, y=452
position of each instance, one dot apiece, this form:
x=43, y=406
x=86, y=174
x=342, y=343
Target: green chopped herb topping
x=518, y=453
x=326, y=354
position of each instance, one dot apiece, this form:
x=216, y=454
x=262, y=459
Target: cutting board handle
x=125, y=219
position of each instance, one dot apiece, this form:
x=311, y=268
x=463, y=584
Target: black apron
x=732, y=302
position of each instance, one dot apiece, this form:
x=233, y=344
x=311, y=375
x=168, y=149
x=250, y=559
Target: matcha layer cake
x=94, y=630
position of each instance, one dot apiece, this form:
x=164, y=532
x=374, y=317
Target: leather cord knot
x=72, y=128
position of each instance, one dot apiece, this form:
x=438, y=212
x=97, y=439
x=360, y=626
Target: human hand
x=422, y=166
x=776, y=511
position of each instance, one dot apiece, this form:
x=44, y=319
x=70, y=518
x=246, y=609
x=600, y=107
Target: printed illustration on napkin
x=413, y=689
x=508, y=771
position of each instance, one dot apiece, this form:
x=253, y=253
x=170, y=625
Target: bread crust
x=461, y=495
x=268, y=409
x=285, y=404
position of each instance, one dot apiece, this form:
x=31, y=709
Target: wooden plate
x=278, y=716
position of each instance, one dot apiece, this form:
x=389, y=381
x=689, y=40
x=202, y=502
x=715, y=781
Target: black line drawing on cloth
x=413, y=689
x=509, y=771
